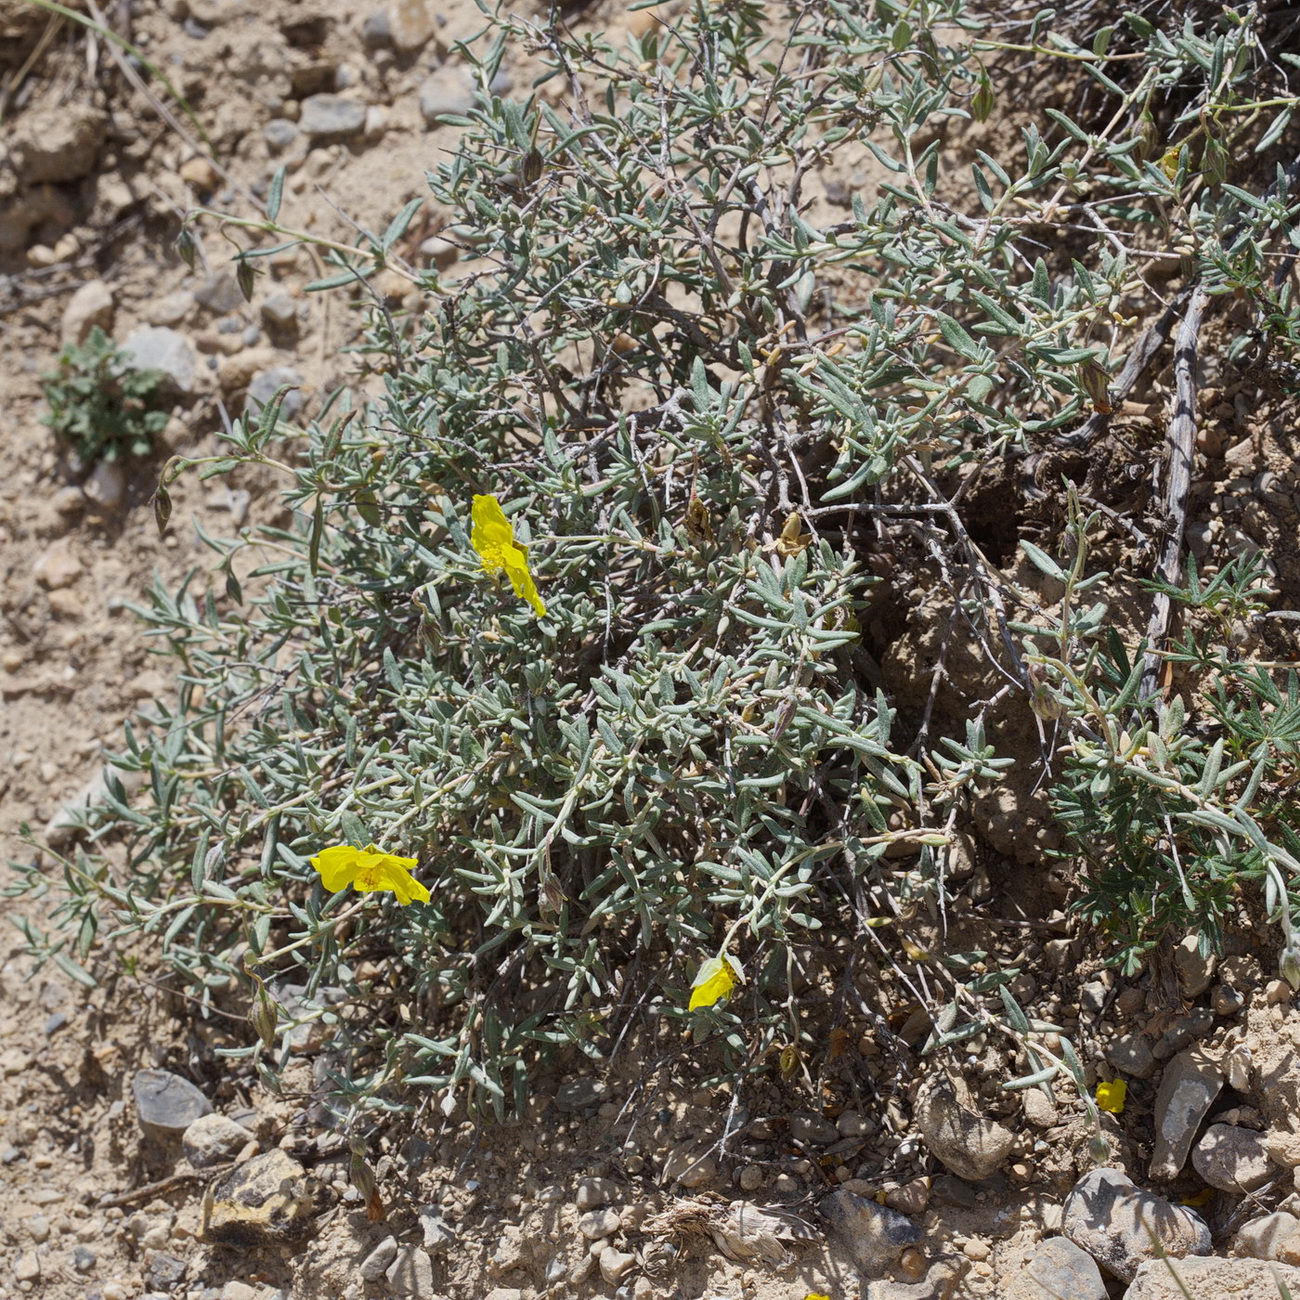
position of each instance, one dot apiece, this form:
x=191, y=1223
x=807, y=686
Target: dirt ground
x=91, y=1209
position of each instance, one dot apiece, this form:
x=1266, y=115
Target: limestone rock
x=1195, y=969
x=331, y=116
x=267, y=1199
x=57, y=144
x=1188, y=1087
x=411, y=1274
x=445, y=92
x=940, y=1283
x=410, y=24
x=1115, y=1221
x=1233, y=1159
x=875, y=1235
x=167, y=1104
x=1222, y=1279
x=1060, y=1270
x=376, y=1263
x=1275, y=1237
x=91, y=305
x=154, y=347
x=970, y=1145
x=214, y=1139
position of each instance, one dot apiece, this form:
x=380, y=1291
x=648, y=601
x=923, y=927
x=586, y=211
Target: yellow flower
x=812, y=1296
x=714, y=980
x=367, y=870
x=494, y=540
x=1110, y=1096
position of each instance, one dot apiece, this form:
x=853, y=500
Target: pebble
x=91, y=305
x=410, y=24
x=1276, y=992
x=57, y=567
x=1188, y=1087
x=200, y=173
x=220, y=294
x=56, y=144
x=1275, y=1236
x=411, y=1274
x=279, y=133
x=83, y=1259
x=750, y=1178
x=1132, y=1054
x=970, y=1145
x=599, y=1223
x=615, y=1265
x=331, y=116
x=214, y=1139
x=1058, y=1268
x=1226, y=1000
x=106, y=486
x=813, y=1130
x=266, y=383
x=1239, y=1278
x=686, y=1165
x=1195, y=968
x=438, y=1234
x=280, y=310
x=940, y=1283
x=376, y=1263
x=27, y=1267
x=874, y=1234
x=1113, y=1220
x=446, y=92
x=912, y=1197
x=1190, y=1029
x=170, y=309
x=152, y=347
x=166, y=1104
x=595, y=1192
x=580, y=1094
x=1233, y=1159
x=38, y=1228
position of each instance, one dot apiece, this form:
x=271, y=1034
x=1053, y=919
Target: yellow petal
x=1111, y=1096
x=715, y=979
x=338, y=866
x=522, y=581
x=492, y=537
x=402, y=883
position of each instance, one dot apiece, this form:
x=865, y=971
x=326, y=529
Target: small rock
x=599, y=1223
x=912, y=1197
x=376, y=30
x=91, y=305
x=1059, y=1269
x=375, y=1264
x=595, y=1192
x=165, y=1272
x=1275, y=1236
x=813, y=1130
x=940, y=1283
x=331, y=116
x=170, y=309
x=27, y=1267
x=440, y=251
x=200, y=173
x=38, y=1228
x=439, y=1235
x=106, y=486
x=1114, y=1221
x=1277, y=991
x=971, y=1145
x=615, y=1265
x=687, y=1165
x=83, y=1259
x=280, y=311
x=875, y=1235
x=580, y=1094
x=57, y=567
x=64, y=826
x=410, y=24
x=1184, y=1032
x=446, y=92
x=56, y=144
x=850, y=1124
x=279, y=133
x=266, y=383
x=411, y=1274
x=1040, y=1109
x=212, y=1140
x=1233, y=1159
x=1219, y=1278
x=220, y=293
x=1188, y=1087
x=1195, y=968
x=269, y=1198
x=154, y=347
x=166, y=1104
x=1132, y=1054
x=1226, y=1000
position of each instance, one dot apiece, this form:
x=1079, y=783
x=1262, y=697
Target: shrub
x=103, y=405
x=731, y=437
